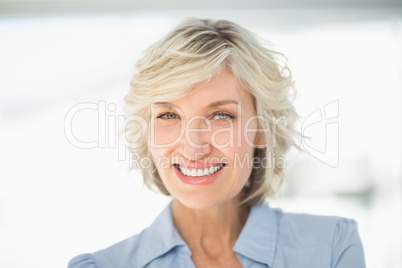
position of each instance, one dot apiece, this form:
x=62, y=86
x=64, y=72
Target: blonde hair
x=192, y=53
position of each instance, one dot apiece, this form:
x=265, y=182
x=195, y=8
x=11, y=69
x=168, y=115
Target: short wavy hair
x=193, y=53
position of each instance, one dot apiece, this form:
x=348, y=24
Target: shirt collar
x=160, y=238
x=258, y=238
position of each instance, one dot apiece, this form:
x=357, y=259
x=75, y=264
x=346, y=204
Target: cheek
x=164, y=136
x=245, y=137
x=157, y=154
x=249, y=133
x=244, y=149
x=223, y=137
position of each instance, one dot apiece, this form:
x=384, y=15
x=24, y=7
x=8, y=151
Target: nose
x=196, y=141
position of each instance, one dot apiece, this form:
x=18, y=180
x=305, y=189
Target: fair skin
x=214, y=116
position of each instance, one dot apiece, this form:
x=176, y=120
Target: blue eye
x=168, y=116
x=222, y=116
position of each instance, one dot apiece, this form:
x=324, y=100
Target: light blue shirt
x=270, y=238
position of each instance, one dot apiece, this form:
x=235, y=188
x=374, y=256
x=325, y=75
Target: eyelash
x=229, y=115
x=164, y=114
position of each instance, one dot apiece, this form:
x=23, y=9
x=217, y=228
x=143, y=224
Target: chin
x=198, y=201
x=200, y=197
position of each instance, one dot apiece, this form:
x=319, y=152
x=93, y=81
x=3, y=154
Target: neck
x=211, y=230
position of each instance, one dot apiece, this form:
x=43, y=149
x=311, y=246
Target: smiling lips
x=199, y=173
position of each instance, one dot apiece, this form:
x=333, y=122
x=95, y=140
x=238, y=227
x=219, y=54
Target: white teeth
x=200, y=172
x=211, y=170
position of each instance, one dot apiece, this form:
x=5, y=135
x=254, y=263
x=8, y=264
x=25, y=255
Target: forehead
x=222, y=89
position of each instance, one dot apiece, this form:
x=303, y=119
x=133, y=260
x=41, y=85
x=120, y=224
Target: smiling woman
x=216, y=126
x=217, y=103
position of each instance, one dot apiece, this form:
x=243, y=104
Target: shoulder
x=297, y=229
x=159, y=239
x=333, y=240
x=121, y=254
x=311, y=229
x=83, y=261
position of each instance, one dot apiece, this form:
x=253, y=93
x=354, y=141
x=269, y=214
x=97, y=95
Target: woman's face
x=203, y=144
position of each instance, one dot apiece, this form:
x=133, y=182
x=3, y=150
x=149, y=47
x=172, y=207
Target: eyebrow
x=211, y=105
x=221, y=103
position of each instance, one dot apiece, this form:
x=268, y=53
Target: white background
x=58, y=200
